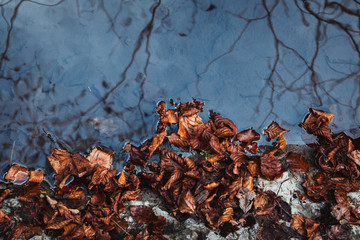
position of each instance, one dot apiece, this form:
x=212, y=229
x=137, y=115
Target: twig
x=12, y=152
x=277, y=193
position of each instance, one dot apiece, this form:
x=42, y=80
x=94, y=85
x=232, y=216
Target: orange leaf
x=17, y=174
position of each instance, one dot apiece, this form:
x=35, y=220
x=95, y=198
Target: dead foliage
x=215, y=186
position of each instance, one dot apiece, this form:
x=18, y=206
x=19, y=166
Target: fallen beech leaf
x=169, y=160
x=186, y=203
x=341, y=212
x=5, y=221
x=122, y=178
x=270, y=166
x=317, y=123
x=248, y=136
x=280, y=143
x=26, y=193
x=191, y=108
x=36, y=176
x=71, y=191
x=355, y=156
x=189, y=126
x=297, y=163
x=338, y=232
x=174, y=139
x=253, y=168
x=69, y=228
x=98, y=157
x=246, y=199
x=226, y=216
x=265, y=202
x=59, y=159
x=212, y=185
x=4, y=193
x=297, y=224
x=224, y=126
x=274, y=130
x=144, y=214
x=17, y=174
x=175, y=175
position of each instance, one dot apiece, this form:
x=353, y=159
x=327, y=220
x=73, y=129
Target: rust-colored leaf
x=274, y=130
x=174, y=139
x=226, y=216
x=355, y=156
x=99, y=157
x=212, y=185
x=142, y=214
x=280, y=143
x=297, y=224
x=5, y=222
x=248, y=136
x=36, y=176
x=317, y=123
x=17, y=174
x=59, y=159
x=265, y=202
x=26, y=193
x=186, y=203
x=4, y=193
x=122, y=178
x=270, y=166
x=190, y=108
x=224, y=126
x=297, y=163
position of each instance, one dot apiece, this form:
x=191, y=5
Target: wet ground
x=78, y=74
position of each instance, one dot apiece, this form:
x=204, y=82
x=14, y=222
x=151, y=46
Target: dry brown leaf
x=17, y=174
x=122, y=178
x=174, y=139
x=36, y=176
x=280, y=143
x=270, y=166
x=59, y=159
x=4, y=193
x=248, y=136
x=212, y=185
x=186, y=203
x=99, y=157
x=5, y=221
x=355, y=156
x=274, y=130
x=297, y=163
x=317, y=123
x=246, y=199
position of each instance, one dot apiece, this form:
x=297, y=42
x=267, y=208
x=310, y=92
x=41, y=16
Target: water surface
x=90, y=73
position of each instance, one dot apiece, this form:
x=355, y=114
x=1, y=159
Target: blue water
x=90, y=73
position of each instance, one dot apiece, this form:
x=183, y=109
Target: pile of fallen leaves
x=213, y=182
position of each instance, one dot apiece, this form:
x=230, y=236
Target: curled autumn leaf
x=5, y=222
x=317, y=123
x=248, y=136
x=17, y=174
x=190, y=108
x=304, y=226
x=270, y=166
x=4, y=193
x=186, y=203
x=297, y=163
x=224, y=126
x=274, y=130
